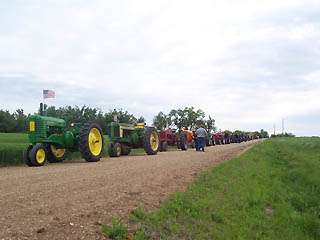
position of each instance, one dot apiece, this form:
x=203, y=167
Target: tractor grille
x=37, y=130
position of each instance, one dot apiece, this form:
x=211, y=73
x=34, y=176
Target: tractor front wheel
x=117, y=149
x=164, y=146
x=56, y=154
x=110, y=150
x=151, y=141
x=38, y=155
x=91, y=142
x=114, y=149
x=193, y=144
x=26, y=157
x=125, y=150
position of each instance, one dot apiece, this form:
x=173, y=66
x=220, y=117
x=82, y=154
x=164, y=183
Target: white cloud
x=248, y=63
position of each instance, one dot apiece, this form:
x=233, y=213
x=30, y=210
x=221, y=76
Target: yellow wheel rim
x=154, y=141
x=57, y=152
x=95, y=141
x=40, y=156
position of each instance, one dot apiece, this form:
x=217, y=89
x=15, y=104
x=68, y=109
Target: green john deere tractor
x=50, y=138
x=124, y=137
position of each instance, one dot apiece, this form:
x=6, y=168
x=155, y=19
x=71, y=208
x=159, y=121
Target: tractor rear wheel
x=26, y=157
x=151, y=141
x=91, y=142
x=56, y=154
x=38, y=155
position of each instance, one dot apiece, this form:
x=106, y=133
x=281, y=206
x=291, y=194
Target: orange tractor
x=186, y=139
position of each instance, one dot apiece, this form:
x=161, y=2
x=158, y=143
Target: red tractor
x=170, y=137
x=218, y=138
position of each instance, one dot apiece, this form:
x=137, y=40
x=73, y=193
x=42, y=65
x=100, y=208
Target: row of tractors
x=50, y=139
x=184, y=139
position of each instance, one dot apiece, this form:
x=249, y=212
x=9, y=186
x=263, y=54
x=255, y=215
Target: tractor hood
x=48, y=121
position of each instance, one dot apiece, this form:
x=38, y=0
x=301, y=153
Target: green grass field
x=12, y=146
x=270, y=192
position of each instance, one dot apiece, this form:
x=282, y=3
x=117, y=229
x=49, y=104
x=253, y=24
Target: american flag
x=48, y=94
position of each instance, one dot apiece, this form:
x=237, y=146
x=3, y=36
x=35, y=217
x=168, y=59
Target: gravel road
x=71, y=200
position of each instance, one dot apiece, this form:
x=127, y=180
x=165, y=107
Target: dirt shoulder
x=71, y=200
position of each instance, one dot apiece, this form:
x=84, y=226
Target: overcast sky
x=248, y=63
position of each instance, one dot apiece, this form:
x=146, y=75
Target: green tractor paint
x=51, y=138
x=124, y=137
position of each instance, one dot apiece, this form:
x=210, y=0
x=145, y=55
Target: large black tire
x=111, y=150
x=160, y=147
x=183, y=145
x=117, y=149
x=125, y=150
x=164, y=146
x=38, y=155
x=193, y=144
x=84, y=146
x=151, y=141
x=54, y=157
x=26, y=158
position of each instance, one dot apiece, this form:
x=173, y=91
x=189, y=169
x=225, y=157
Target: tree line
x=187, y=117
x=283, y=135
x=13, y=122
x=16, y=122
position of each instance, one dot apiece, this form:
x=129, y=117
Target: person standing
x=201, y=138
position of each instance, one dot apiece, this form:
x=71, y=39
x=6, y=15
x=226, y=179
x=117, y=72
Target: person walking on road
x=201, y=138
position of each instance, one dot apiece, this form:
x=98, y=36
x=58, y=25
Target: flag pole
x=42, y=103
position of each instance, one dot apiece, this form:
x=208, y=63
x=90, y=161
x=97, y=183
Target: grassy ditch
x=270, y=192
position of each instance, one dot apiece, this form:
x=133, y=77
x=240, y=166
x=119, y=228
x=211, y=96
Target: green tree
x=187, y=117
x=264, y=134
x=210, y=124
x=161, y=121
x=20, y=119
x=7, y=122
x=121, y=115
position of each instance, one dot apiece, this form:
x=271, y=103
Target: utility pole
x=274, y=129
